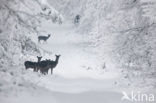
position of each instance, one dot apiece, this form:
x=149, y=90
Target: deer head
x=49, y=35
x=39, y=58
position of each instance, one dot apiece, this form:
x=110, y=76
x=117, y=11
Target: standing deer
x=48, y=64
x=33, y=65
x=53, y=64
x=30, y=64
x=44, y=38
x=77, y=19
x=44, y=67
x=39, y=59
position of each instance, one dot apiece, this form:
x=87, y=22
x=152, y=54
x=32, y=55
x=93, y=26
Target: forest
x=92, y=45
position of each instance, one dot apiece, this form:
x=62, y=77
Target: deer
x=39, y=59
x=30, y=64
x=44, y=38
x=77, y=19
x=48, y=64
x=53, y=64
x=33, y=65
x=44, y=70
x=44, y=66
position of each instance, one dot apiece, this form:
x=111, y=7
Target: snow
x=58, y=97
x=71, y=81
x=57, y=89
x=76, y=56
x=85, y=73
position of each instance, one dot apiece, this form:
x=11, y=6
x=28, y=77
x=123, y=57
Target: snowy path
x=71, y=81
x=75, y=59
x=57, y=97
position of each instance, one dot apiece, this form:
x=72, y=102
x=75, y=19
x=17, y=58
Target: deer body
x=33, y=65
x=44, y=38
x=43, y=66
x=48, y=64
x=53, y=64
x=77, y=19
x=30, y=64
x=37, y=66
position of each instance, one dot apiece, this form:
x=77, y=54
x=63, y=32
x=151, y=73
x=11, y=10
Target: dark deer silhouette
x=44, y=38
x=39, y=59
x=44, y=66
x=77, y=19
x=53, y=64
x=48, y=64
x=33, y=65
x=30, y=64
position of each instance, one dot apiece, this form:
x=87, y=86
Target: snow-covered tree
x=20, y=19
x=122, y=30
x=149, y=7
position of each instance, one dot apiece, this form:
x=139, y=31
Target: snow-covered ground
x=45, y=96
x=109, y=54
x=75, y=79
x=77, y=58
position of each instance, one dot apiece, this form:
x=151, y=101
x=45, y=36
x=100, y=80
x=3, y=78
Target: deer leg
x=45, y=41
x=41, y=72
x=37, y=69
x=51, y=71
x=46, y=72
x=34, y=69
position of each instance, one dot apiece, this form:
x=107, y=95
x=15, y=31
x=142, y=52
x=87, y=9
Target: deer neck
x=56, y=60
x=39, y=60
